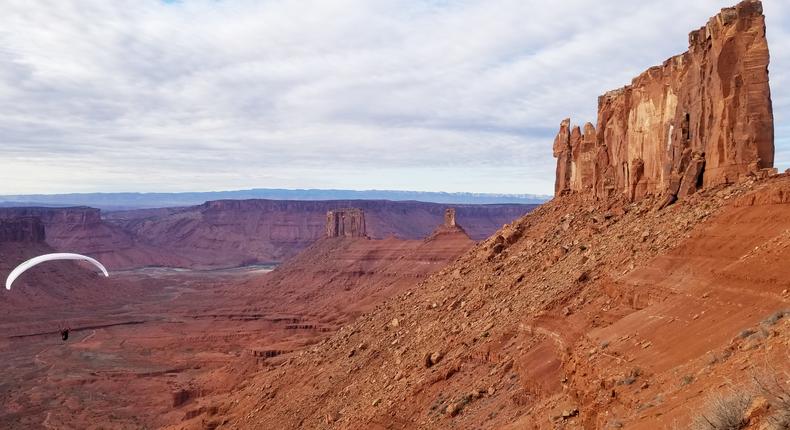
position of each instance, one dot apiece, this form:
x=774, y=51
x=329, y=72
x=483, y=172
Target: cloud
x=431, y=95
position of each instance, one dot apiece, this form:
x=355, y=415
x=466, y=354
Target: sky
x=428, y=95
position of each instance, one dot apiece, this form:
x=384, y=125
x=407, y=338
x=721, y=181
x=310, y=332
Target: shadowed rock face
x=702, y=118
x=27, y=229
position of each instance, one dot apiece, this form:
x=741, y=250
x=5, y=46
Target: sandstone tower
x=700, y=119
x=345, y=223
x=449, y=217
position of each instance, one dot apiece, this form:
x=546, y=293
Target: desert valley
x=651, y=292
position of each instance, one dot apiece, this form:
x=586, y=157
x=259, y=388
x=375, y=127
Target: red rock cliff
x=27, y=229
x=72, y=216
x=702, y=118
x=82, y=230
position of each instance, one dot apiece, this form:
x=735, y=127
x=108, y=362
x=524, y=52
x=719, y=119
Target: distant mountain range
x=123, y=201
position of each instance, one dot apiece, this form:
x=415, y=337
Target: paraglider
x=22, y=268
x=50, y=257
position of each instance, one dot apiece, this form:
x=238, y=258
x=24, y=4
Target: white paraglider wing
x=50, y=257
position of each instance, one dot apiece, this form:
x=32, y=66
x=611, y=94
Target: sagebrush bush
x=776, y=388
x=723, y=412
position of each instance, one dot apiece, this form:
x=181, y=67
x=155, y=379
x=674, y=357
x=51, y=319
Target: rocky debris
x=454, y=408
x=701, y=119
x=269, y=353
x=180, y=397
x=332, y=417
x=432, y=358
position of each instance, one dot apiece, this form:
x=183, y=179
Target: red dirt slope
x=347, y=276
x=581, y=314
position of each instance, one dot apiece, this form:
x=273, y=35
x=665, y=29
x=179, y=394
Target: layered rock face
x=230, y=233
x=68, y=227
x=702, y=118
x=72, y=217
x=345, y=223
x=82, y=230
x=27, y=229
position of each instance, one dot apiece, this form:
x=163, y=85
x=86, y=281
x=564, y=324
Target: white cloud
x=431, y=95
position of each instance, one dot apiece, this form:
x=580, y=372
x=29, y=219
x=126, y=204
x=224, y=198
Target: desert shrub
x=631, y=377
x=777, y=390
x=776, y=316
x=723, y=412
x=616, y=424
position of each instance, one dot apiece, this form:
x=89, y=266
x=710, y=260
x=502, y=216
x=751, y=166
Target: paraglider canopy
x=50, y=257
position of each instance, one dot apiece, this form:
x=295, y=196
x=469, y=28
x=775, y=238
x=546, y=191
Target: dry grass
x=778, y=315
x=776, y=388
x=724, y=412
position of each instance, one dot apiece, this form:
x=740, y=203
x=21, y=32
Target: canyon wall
x=82, y=230
x=27, y=229
x=74, y=226
x=702, y=118
x=345, y=223
x=228, y=233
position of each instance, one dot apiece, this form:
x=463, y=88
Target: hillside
x=344, y=277
x=578, y=307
